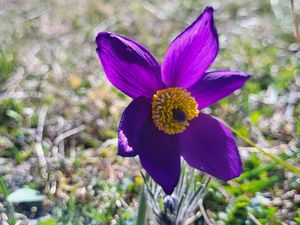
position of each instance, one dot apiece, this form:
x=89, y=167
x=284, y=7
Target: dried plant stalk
x=295, y=20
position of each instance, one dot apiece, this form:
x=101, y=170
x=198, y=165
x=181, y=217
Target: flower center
x=172, y=108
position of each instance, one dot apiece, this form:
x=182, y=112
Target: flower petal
x=159, y=155
x=208, y=145
x=131, y=124
x=192, y=52
x=128, y=65
x=216, y=85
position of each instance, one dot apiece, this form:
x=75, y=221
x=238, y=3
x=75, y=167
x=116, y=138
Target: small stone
x=277, y=202
x=284, y=211
x=80, y=192
x=294, y=47
x=3, y=217
x=222, y=215
x=289, y=194
x=260, y=200
x=297, y=198
x=287, y=204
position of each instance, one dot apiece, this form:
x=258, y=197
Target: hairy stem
x=142, y=211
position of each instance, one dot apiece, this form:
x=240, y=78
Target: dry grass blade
x=69, y=133
x=38, y=142
x=295, y=20
x=203, y=211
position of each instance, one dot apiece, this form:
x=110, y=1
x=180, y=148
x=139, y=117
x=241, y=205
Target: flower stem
x=274, y=158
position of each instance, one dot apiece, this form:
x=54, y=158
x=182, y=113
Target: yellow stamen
x=172, y=108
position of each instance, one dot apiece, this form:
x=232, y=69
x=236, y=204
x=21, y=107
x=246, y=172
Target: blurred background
x=59, y=115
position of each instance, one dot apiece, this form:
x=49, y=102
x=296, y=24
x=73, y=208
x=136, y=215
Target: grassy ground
x=59, y=115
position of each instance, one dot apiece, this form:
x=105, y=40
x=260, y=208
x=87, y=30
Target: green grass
x=49, y=61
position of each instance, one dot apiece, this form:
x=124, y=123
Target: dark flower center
x=179, y=115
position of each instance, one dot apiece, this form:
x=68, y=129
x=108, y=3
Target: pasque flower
x=164, y=120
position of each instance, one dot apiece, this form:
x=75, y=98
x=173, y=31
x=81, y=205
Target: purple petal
x=131, y=124
x=128, y=65
x=216, y=85
x=159, y=155
x=192, y=52
x=208, y=145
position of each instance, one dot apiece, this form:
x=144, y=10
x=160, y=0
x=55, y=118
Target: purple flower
x=164, y=121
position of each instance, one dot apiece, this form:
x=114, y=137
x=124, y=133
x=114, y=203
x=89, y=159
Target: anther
x=172, y=108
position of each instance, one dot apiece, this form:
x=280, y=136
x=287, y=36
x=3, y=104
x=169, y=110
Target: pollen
x=172, y=109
